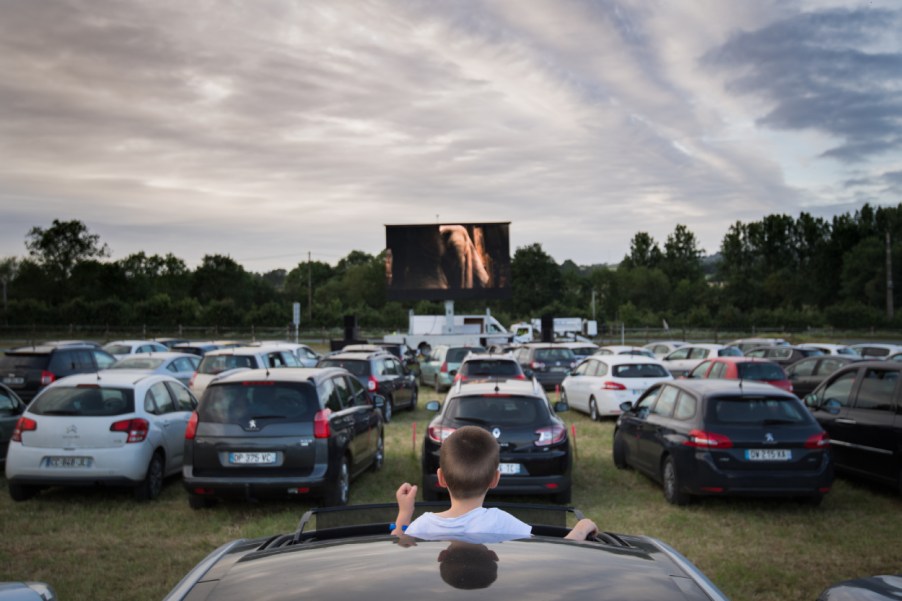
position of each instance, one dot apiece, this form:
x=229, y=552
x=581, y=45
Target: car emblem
x=72, y=430
x=252, y=425
x=496, y=432
x=769, y=438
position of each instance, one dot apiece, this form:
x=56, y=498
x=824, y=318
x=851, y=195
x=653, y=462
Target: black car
x=28, y=369
x=724, y=437
x=535, y=447
x=381, y=373
x=481, y=366
x=807, y=373
x=351, y=555
x=859, y=407
x=783, y=355
x=549, y=363
x=282, y=433
x=11, y=407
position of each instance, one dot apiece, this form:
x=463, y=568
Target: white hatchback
x=601, y=383
x=114, y=429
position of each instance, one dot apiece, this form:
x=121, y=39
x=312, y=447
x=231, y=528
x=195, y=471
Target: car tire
x=414, y=397
x=22, y=492
x=671, y=484
x=388, y=409
x=436, y=385
x=379, y=458
x=199, y=501
x=619, y=452
x=593, y=410
x=341, y=490
x=152, y=484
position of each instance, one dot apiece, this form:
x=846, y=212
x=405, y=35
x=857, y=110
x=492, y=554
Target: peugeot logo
x=496, y=432
x=252, y=425
x=769, y=438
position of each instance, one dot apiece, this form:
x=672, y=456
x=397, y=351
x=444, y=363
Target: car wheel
x=671, y=483
x=388, y=409
x=619, y=452
x=379, y=458
x=22, y=492
x=152, y=485
x=436, y=385
x=199, y=501
x=593, y=410
x=341, y=492
x=414, y=398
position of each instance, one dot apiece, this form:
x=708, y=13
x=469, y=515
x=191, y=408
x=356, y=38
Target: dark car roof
x=46, y=349
x=623, y=567
x=360, y=356
x=282, y=374
x=717, y=387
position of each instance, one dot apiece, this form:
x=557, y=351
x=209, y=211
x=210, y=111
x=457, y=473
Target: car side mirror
x=626, y=406
x=561, y=406
x=433, y=406
x=810, y=400
x=528, y=373
x=378, y=400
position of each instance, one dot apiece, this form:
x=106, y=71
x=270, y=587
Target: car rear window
x=241, y=401
x=498, y=410
x=216, y=364
x=760, y=371
x=137, y=363
x=640, y=370
x=554, y=354
x=30, y=361
x=84, y=401
x=757, y=410
x=356, y=367
x=117, y=349
x=490, y=367
x=456, y=355
x=730, y=351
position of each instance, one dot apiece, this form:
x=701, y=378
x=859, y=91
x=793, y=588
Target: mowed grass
x=101, y=544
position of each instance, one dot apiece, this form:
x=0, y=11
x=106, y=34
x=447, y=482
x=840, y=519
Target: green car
x=439, y=367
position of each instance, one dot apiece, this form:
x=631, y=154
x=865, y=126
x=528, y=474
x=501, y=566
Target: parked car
x=829, y=348
x=27, y=591
x=306, y=356
x=742, y=368
x=381, y=373
x=171, y=342
x=438, y=368
x=282, y=433
x=482, y=366
x=581, y=350
x=548, y=362
x=28, y=369
x=114, y=429
x=600, y=384
x=859, y=407
x=350, y=550
x=11, y=407
x=620, y=349
x=783, y=355
x=180, y=366
x=195, y=348
x=122, y=348
x=683, y=360
x=747, y=344
x=535, y=446
x=215, y=364
x=662, y=348
x=876, y=350
x=870, y=588
x=807, y=374
x=723, y=437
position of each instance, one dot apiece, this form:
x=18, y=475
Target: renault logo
x=496, y=432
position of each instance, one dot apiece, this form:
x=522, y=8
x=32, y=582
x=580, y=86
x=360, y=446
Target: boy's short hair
x=469, y=459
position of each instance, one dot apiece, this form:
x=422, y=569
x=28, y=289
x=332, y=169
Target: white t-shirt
x=480, y=525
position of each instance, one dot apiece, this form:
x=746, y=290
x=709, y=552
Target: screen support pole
x=449, y=317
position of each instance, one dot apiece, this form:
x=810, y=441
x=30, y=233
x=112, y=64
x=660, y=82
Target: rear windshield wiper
x=268, y=417
x=61, y=412
x=472, y=420
x=774, y=422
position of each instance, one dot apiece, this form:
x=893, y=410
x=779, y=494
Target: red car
x=742, y=368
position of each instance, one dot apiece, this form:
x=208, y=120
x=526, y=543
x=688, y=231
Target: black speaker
x=547, y=328
x=350, y=327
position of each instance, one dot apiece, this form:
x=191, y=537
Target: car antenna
x=497, y=389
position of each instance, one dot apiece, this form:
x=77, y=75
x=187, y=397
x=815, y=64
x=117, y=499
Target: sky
x=276, y=130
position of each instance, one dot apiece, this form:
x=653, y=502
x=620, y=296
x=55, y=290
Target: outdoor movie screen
x=448, y=261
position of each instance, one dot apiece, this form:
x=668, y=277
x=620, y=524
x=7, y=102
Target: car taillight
x=537, y=365
x=137, y=429
x=321, y=427
x=708, y=440
x=47, y=377
x=438, y=434
x=613, y=386
x=818, y=441
x=520, y=377
x=550, y=435
x=25, y=424
x=444, y=367
x=191, y=430
x=191, y=381
x=372, y=384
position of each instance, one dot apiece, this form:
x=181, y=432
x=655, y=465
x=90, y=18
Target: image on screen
x=447, y=261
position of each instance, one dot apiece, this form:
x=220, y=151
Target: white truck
x=427, y=331
x=564, y=327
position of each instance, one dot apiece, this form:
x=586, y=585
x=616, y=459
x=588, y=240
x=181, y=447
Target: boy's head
x=469, y=460
x=468, y=566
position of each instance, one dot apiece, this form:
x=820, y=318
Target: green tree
x=682, y=258
x=537, y=280
x=644, y=252
x=59, y=248
x=9, y=267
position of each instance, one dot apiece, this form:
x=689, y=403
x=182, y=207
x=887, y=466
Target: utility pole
x=889, y=276
x=309, y=288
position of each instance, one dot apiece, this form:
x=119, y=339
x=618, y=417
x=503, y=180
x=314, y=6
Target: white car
x=306, y=355
x=662, y=348
x=683, y=360
x=601, y=383
x=876, y=350
x=180, y=366
x=747, y=344
x=620, y=349
x=225, y=361
x=831, y=349
x=123, y=348
x=115, y=429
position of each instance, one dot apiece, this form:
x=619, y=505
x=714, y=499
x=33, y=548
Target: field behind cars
x=101, y=544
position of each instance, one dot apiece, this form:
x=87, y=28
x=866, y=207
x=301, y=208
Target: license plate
x=67, y=462
x=13, y=381
x=560, y=369
x=768, y=454
x=252, y=458
x=509, y=468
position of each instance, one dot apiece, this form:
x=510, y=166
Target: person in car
x=468, y=468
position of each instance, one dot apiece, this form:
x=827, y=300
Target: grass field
x=100, y=544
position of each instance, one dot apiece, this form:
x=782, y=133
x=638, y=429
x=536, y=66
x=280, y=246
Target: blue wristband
x=392, y=526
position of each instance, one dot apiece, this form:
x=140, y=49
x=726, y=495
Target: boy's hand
x=407, y=497
x=583, y=530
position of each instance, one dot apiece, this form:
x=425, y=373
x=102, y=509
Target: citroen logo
x=72, y=430
x=496, y=432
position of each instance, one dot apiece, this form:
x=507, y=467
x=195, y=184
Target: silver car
x=180, y=366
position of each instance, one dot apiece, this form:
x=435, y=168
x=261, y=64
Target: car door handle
x=843, y=420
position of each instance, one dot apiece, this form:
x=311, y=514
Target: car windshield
x=760, y=371
x=756, y=410
x=456, y=355
x=84, y=401
x=241, y=401
x=117, y=349
x=490, y=367
x=137, y=363
x=215, y=364
x=730, y=351
x=640, y=370
x=498, y=410
x=358, y=368
x=554, y=354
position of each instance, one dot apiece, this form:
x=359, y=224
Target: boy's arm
x=406, y=496
x=583, y=530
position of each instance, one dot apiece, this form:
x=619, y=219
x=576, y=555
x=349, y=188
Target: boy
x=468, y=462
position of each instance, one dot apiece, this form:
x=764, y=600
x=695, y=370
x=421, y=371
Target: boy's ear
x=495, y=480
x=441, y=478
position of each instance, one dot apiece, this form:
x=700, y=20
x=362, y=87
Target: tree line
x=777, y=272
